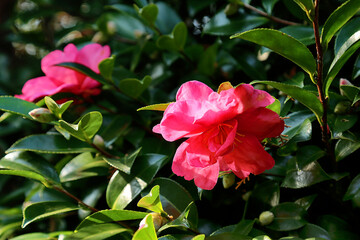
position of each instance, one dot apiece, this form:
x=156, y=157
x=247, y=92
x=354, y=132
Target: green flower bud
x=158, y=221
x=266, y=218
x=42, y=115
x=231, y=9
x=342, y=107
x=228, y=180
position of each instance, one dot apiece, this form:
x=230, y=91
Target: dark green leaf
x=244, y=227
x=282, y=44
x=83, y=166
x=337, y=19
x=308, y=7
x=29, y=165
x=296, y=121
x=306, y=202
x=49, y=143
x=176, y=40
x=288, y=216
x=302, y=33
x=221, y=25
x=125, y=163
x=149, y=13
x=108, y=216
x=353, y=189
x=17, y=106
x=345, y=147
x=342, y=123
x=314, y=231
x=147, y=231
x=167, y=18
x=351, y=92
x=134, y=87
x=40, y=210
x=84, y=70
x=207, y=61
x=229, y=236
x=337, y=228
x=269, y=5
x=308, y=154
x=152, y=201
x=308, y=175
x=115, y=129
x=356, y=70
x=106, y=67
x=123, y=188
x=101, y=232
x=307, y=98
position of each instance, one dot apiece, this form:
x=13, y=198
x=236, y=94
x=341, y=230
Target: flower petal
x=248, y=156
x=260, y=122
x=204, y=177
x=194, y=90
x=92, y=54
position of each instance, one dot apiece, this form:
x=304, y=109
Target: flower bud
x=344, y=82
x=228, y=180
x=246, y=196
x=98, y=141
x=266, y=218
x=111, y=27
x=342, y=107
x=158, y=221
x=231, y=9
x=42, y=115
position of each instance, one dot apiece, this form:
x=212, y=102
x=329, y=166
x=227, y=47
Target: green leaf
x=182, y=222
x=314, y=231
x=199, y=237
x=244, y=227
x=288, y=216
x=117, y=128
x=155, y=107
x=275, y=106
x=307, y=98
x=134, y=87
x=337, y=19
x=351, y=92
x=123, y=188
x=84, y=70
x=29, y=165
x=49, y=143
x=304, y=34
x=125, y=163
x=207, y=61
x=83, y=166
x=149, y=13
x=108, y=216
x=56, y=109
x=356, y=70
x=342, y=123
x=40, y=210
x=87, y=127
x=282, y=44
x=176, y=40
x=106, y=67
x=167, y=18
x=308, y=175
x=269, y=5
x=353, y=189
x=152, y=201
x=17, y=106
x=221, y=25
x=40, y=236
x=344, y=147
x=101, y=232
x=308, y=154
x=229, y=236
x=308, y=7
x=147, y=231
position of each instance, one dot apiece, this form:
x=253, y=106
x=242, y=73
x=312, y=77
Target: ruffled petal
x=91, y=55
x=40, y=87
x=248, y=155
x=204, y=177
x=193, y=90
x=260, y=122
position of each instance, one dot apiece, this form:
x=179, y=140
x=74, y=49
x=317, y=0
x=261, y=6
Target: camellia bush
x=170, y=119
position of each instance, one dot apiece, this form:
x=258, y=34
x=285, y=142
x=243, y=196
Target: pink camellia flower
x=60, y=79
x=224, y=131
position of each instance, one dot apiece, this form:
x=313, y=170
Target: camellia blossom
x=60, y=79
x=224, y=131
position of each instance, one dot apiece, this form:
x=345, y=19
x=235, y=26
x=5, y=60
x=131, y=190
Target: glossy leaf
x=167, y=18
x=282, y=44
x=116, y=129
x=147, y=231
x=353, y=189
x=41, y=210
x=305, y=34
x=297, y=123
x=49, y=143
x=308, y=154
x=307, y=98
x=356, y=70
x=244, y=227
x=149, y=13
x=101, y=232
x=288, y=216
x=83, y=166
x=84, y=70
x=345, y=147
x=134, y=87
x=269, y=5
x=342, y=123
x=351, y=92
x=29, y=165
x=176, y=40
x=308, y=7
x=155, y=107
x=108, y=216
x=17, y=106
x=125, y=163
x=55, y=108
x=123, y=188
x=87, y=127
x=106, y=67
x=181, y=222
x=221, y=25
x=152, y=201
x=337, y=19
x=314, y=231
x=308, y=175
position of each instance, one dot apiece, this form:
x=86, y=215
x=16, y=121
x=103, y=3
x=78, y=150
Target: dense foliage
x=88, y=165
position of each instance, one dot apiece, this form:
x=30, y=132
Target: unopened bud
x=231, y=9
x=158, y=221
x=42, y=115
x=266, y=218
x=228, y=180
x=98, y=141
x=111, y=27
x=99, y=37
x=342, y=107
x=246, y=196
x=344, y=82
